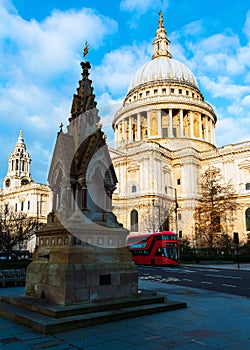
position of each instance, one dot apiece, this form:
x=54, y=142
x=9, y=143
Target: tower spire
x=161, y=42
x=19, y=165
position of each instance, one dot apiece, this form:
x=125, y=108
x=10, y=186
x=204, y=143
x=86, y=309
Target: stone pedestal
x=66, y=270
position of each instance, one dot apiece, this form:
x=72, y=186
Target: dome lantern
x=161, y=42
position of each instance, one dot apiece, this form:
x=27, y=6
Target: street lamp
x=176, y=217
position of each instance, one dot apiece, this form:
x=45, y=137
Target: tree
x=216, y=212
x=224, y=243
x=158, y=217
x=15, y=229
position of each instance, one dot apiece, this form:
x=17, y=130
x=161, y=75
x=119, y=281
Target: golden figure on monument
x=86, y=49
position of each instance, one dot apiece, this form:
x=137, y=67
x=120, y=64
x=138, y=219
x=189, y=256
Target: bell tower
x=18, y=166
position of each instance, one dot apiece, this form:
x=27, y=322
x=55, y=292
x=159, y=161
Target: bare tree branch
x=216, y=212
x=15, y=229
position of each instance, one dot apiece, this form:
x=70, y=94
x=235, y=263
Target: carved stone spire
x=84, y=100
x=161, y=42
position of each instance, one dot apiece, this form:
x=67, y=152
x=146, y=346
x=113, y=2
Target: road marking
x=154, y=337
x=198, y=342
x=205, y=282
x=177, y=270
x=170, y=279
x=222, y=276
x=229, y=285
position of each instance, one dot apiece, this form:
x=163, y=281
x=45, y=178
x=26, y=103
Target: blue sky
x=41, y=47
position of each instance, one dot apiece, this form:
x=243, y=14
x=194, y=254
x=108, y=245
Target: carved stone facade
x=164, y=140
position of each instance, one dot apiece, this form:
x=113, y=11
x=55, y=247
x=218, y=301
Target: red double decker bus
x=160, y=248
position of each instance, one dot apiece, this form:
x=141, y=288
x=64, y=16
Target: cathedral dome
x=164, y=101
x=162, y=69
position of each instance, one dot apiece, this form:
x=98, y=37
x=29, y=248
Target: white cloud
x=137, y=8
x=40, y=69
x=46, y=49
x=141, y=7
x=117, y=68
x=220, y=63
x=193, y=29
x=235, y=109
x=107, y=109
x=231, y=129
x=246, y=28
x=222, y=86
x=246, y=101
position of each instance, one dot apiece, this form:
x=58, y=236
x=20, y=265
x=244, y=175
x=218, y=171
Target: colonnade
x=165, y=123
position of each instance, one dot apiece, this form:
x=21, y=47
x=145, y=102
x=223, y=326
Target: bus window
x=170, y=253
x=169, y=237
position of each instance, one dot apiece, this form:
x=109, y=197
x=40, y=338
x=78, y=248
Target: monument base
x=66, y=270
x=47, y=318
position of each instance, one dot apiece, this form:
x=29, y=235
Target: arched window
x=133, y=188
x=134, y=221
x=248, y=219
x=24, y=181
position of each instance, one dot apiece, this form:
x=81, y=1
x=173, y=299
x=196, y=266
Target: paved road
x=235, y=282
x=212, y=321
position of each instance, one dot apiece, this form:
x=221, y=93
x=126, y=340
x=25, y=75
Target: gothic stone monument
x=82, y=254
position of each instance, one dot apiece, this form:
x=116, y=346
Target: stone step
x=49, y=325
x=53, y=310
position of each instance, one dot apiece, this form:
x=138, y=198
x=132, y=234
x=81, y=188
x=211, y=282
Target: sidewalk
x=242, y=266
x=212, y=320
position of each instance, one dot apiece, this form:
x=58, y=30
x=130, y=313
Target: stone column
x=159, y=124
x=148, y=123
x=200, y=126
x=138, y=126
x=191, y=124
x=123, y=129
x=69, y=200
x=206, y=129
x=151, y=173
x=84, y=197
x=108, y=200
x=170, y=114
x=211, y=131
x=130, y=129
x=124, y=177
x=181, y=123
